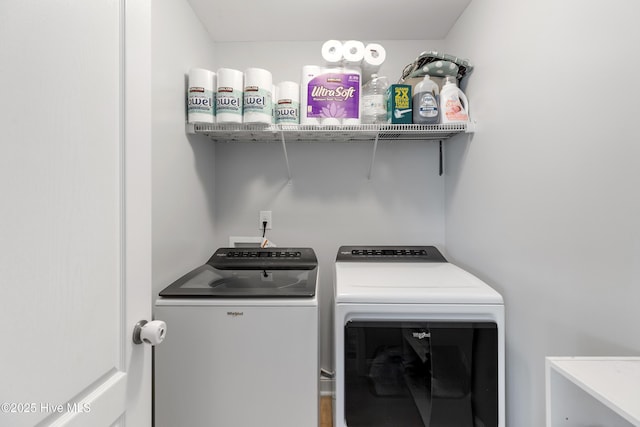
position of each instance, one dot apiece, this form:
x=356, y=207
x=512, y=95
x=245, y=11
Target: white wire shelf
x=327, y=133
x=330, y=133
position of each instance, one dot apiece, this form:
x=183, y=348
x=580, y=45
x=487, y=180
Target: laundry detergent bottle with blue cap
x=425, y=102
x=454, y=107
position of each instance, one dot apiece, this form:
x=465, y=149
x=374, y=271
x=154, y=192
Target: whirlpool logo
x=421, y=335
x=235, y=313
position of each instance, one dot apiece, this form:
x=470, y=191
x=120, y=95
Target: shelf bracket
x=286, y=157
x=441, y=169
x=373, y=157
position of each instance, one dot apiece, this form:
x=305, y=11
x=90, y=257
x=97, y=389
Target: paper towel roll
x=374, y=57
x=332, y=51
x=215, y=95
x=288, y=103
x=288, y=90
x=309, y=72
x=257, y=106
x=274, y=99
x=201, y=96
x=353, y=52
x=229, y=96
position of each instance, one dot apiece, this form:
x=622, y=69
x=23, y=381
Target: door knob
x=151, y=333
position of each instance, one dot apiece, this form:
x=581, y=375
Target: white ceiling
x=303, y=20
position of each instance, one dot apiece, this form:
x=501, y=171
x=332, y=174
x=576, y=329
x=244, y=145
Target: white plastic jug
x=454, y=107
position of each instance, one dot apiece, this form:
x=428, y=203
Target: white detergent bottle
x=454, y=107
x=425, y=102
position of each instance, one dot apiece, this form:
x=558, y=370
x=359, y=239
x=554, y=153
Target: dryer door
x=421, y=374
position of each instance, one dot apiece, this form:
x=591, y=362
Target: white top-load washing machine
x=419, y=342
x=242, y=344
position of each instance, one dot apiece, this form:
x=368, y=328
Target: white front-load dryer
x=419, y=342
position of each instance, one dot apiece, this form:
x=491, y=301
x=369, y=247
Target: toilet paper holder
x=151, y=333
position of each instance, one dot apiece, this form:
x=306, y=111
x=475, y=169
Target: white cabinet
x=593, y=391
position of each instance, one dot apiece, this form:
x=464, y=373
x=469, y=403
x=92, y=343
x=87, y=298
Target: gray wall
x=182, y=168
x=543, y=202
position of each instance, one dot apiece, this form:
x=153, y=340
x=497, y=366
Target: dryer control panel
x=389, y=254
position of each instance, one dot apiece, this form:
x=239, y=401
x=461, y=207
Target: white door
x=74, y=212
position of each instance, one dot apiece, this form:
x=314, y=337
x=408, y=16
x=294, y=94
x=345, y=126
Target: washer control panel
x=264, y=254
x=264, y=258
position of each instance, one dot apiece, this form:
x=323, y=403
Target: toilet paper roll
x=353, y=52
x=374, y=57
x=288, y=103
x=201, y=96
x=257, y=105
x=332, y=51
x=229, y=96
x=355, y=120
x=309, y=72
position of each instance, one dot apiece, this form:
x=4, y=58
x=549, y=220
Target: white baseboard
x=327, y=387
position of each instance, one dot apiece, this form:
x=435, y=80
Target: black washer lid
x=209, y=282
x=250, y=273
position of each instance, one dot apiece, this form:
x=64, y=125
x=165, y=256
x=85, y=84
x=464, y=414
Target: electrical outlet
x=265, y=216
